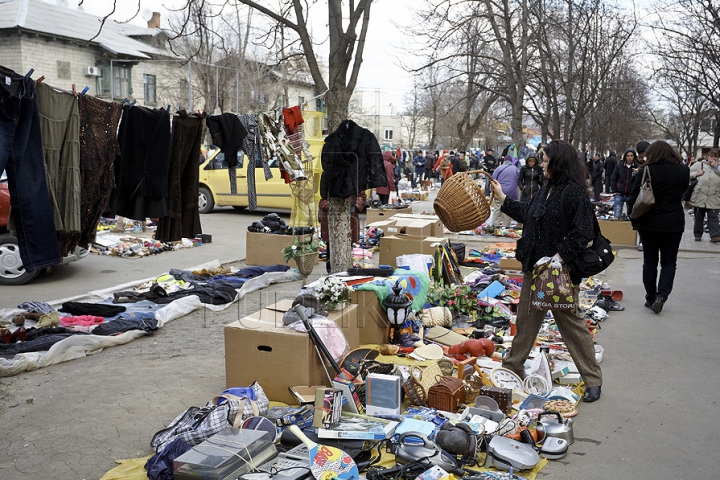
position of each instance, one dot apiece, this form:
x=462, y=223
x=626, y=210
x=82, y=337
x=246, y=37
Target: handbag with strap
x=687, y=195
x=596, y=257
x=646, y=197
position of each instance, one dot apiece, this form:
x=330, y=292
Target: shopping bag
x=551, y=287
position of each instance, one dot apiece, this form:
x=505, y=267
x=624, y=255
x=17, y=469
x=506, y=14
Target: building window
x=301, y=100
x=100, y=83
x=388, y=133
x=149, y=89
x=121, y=82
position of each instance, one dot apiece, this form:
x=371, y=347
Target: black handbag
x=596, y=257
x=687, y=195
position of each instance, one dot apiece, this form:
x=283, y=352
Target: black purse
x=687, y=195
x=597, y=257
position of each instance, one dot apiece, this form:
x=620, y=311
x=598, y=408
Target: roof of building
x=38, y=16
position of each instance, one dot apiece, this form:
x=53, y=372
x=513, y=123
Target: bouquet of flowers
x=332, y=292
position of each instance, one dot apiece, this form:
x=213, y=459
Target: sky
x=386, y=43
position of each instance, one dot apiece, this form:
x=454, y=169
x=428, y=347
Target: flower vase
x=334, y=306
x=305, y=264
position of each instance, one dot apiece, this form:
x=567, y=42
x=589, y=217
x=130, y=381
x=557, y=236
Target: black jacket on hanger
x=351, y=161
x=227, y=133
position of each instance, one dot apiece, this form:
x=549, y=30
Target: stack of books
x=360, y=427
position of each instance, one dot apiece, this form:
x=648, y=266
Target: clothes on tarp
x=60, y=130
x=37, y=341
x=352, y=162
x=99, y=148
x=141, y=173
x=160, y=465
x=183, y=220
x=21, y=156
x=36, y=307
x=86, y=308
x=122, y=325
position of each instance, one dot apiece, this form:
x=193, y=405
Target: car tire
x=12, y=271
x=206, y=203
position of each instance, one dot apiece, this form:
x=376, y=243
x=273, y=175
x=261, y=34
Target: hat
x=507, y=158
x=489, y=150
x=642, y=146
x=430, y=352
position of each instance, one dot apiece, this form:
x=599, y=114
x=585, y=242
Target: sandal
x=49, y=320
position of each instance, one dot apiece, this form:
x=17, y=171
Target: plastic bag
x=551, y=287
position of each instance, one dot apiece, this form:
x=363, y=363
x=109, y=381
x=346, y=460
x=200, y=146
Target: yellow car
x=273, y=193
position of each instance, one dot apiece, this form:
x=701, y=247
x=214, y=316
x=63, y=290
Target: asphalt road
x=73, y=420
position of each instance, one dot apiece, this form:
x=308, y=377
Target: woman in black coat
x=553, y=226
x=530, y=178
x=662, y=227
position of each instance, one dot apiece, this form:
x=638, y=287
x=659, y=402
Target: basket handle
x=492, y=193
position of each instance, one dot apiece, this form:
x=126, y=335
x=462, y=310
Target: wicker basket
x=419, y=382
x=461, y=204
x=446, y=394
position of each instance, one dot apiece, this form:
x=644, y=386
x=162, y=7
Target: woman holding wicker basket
x=547, y=234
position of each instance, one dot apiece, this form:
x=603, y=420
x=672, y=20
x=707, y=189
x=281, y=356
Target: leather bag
x=646, y=197
x=687, y=195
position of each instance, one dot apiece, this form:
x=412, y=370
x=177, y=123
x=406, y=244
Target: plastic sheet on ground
x=78, y=346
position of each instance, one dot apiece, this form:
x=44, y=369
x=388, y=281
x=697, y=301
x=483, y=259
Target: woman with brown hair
x=553, y=227
x=662, y=227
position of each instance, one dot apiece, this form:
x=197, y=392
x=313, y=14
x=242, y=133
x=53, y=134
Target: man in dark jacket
x=622, y=180
x=419, y=162
x=430, y=160
x=610, y=164
x=490, y=164
x=596, y=175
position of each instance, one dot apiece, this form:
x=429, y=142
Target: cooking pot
x=554, y=426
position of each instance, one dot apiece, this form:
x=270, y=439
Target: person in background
x=530, y=178
x=507, y=175
x=443, y=167
x=419, y=162
x=545, y=234
x=389, y=162
x=622, y=180
x=489, y=163
x=662, y=227
x=610, y=164
x=457, y=162
x=706, y=197
x=596, y=176
x=430, y=159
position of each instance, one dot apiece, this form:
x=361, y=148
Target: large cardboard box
x=259, y=347
x=266, y=249
x=619, y=232
x=406, y=226
x=510, y=264
x=437, y=225
x=393, y=246
x=373, y=215
x=371, y=325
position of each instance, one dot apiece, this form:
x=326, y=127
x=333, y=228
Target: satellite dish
x=62, y=3
x=147, y=14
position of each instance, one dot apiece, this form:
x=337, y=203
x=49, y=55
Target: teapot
x=555, y=426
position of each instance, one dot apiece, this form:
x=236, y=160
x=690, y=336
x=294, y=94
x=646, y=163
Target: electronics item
x=553, y=425
x=416, y=446
x=350, y=404
x=225, y=456
x=554, y=448
x=382, y=394
x=327, y=463
x=290, y=465
x=506, y=454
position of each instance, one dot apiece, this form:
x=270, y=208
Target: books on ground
x=360, y=427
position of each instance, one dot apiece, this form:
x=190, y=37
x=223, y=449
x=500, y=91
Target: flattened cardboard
x=393, y=246
x=618, y=232
x=510, y=264
x=266, y=249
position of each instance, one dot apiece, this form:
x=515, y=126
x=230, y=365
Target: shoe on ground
x=648, y=304
x=715, y=239
x=592, y=394
x=640, y=248
x=657, y=306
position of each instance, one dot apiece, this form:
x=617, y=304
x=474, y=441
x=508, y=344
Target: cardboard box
x=510, y=264
x=393, y=246
x=619, y=232
x=371, y=326
x=437, y=225
x=375, y=214
x=266, y=249
x=406, y=226
x=259, y=347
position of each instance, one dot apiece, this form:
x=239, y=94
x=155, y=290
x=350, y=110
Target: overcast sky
x=385, y=43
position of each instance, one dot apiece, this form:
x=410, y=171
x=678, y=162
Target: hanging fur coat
x=352, y=162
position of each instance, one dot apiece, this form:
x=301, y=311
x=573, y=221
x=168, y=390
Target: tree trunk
x=340, y=234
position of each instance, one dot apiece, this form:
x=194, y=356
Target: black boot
x=592, y=394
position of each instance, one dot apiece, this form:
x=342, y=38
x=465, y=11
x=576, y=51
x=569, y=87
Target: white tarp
x=77, y=346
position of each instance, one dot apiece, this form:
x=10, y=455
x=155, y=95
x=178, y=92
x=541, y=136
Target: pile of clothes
x=272, y=223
